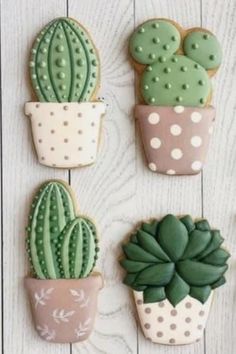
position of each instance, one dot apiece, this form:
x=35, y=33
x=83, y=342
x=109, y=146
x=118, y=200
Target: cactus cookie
x=65, y=74
x=175, y=67
x=173, y=266
x=62, y=248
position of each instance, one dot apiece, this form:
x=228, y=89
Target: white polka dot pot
x=66, y=134
x=164, y=324
x=64, y=310
x=175, y=139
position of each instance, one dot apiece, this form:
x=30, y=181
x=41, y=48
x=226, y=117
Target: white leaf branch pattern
x=83, y=328
x=61, y=315
x=46, y=333
x=80, y=297
x=42, y=296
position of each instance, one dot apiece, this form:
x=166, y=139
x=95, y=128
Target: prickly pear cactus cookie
x=174, y=266
x=62, y=247
x=65, y=75
x=175, y=67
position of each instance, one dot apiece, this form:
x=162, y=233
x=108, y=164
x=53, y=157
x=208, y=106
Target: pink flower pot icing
x=64, y=309
x=164, y=324
x=175, y=139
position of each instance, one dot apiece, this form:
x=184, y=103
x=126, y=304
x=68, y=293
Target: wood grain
x=118, y=191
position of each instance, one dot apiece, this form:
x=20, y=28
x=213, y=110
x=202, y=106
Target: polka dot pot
x=64, y=310
x=164, y=324
x=66, y=134
x=175, y=139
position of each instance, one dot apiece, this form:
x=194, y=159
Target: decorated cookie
x=173, y=266
x=65, y=75
x=175, y=67
x=62, y=247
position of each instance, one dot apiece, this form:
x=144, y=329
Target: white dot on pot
x=152, y=166
x=153, y=118
x=175, y=130
x=196, y=117
x=196, y=165
x=179, y=109
x=196, y=141
x=171, y=172
x=155, y=143
x=176, y=154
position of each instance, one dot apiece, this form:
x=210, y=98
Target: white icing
x=154, y=118
x=196, y=141
x=175, y=129
x=152, y=166
x=155, y=143
x=66, y=134
x=176, y=154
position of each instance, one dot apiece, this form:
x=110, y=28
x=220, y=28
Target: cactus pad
x=59, y=244
x=174, y=74
x=64, y=64
x=203, y=48
x=179, y=80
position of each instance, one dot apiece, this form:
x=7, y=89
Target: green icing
x=203, y=48
x=59, y=244
x=153, y=40
x=64, y=65
x=178, y=80
x=171, y=79
x=175, y=258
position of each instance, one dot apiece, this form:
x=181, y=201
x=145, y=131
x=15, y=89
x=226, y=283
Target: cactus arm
x=65, y=251
x=78, y=260
x=88, y=249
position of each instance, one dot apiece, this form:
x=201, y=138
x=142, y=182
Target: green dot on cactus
x=61, y=75
x=184, y=68
x=31, y=64
x=155, y=25
x=196, y=66
x=33, y=51
x=167, y=70
x=43, y=50
x=39, y=229
x=156, y=40
x=201, y=82
x=174, y=38
x=141, y=30
x=152, y=56
x=166, y=46
x=139, y=49
x=162, y=59
x=80, y=62
x=46, y=40
x=152, y=100
x=62, y=87
x=149, y=68
x=146, y=87
x=60, y=62
x=78, y=50
x=60, y=48
x=60, y=36
x=195, y=46
x=44, y=77
x=155, y=79
x=174, y=60
x=94, y=62
x=185, y=86
x=212, y=57
x=168, y=86
x=206, y=36
x=179, y=99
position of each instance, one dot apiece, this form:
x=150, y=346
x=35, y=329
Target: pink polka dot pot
x=64, y=310
x=164, y=324
x=66, y=135
x=175, y=139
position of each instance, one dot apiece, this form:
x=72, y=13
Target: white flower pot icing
x=66, y=134
x=164, y=324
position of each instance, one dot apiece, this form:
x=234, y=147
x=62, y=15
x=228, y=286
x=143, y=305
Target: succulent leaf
x=195, y=263
x=173, y=237
x=154, y=294
x=136, y=253
x=150, y=245
x=198, y=241
x=199, y=274
x=176, y=290
x=157, y=275
x=200, y=293
x=150, y=228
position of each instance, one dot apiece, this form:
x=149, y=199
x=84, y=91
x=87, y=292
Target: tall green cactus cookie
x=59, y=244
x=64, y=64
x=170, y=78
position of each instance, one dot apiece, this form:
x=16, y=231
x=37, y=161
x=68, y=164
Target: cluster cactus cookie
x=173, y=266
x=62, y=248
x=65, y=75
x=175, y=67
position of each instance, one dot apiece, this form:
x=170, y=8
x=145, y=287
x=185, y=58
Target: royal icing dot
x=148, y=310
x=196, y=117
x=196, y=165
x=153, y=118
x=176, y=154
x=155, y=143
x=152, y=166
x=159, y=334
x=175, y=130
x=179, y=109
x=171, y=172
x=196, y=141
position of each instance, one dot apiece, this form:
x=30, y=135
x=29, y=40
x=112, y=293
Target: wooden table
x=118, y=190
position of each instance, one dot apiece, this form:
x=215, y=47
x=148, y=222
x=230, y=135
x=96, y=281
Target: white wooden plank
x=21, y=20
x=106, y=191
x=219, y=183
x=158, y=195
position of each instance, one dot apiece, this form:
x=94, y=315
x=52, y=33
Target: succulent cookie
x=62, y=248
x=176, y=66
x=173, y=266
x=65, y=75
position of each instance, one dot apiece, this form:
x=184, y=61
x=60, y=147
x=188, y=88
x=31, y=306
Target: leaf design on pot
x=83, y=328
x=42, y=297
x=79, y=296
x=60, y=315
x=175, y=258
x=46, y=333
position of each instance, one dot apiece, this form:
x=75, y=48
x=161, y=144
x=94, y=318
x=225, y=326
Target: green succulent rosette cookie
x=173, y=258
